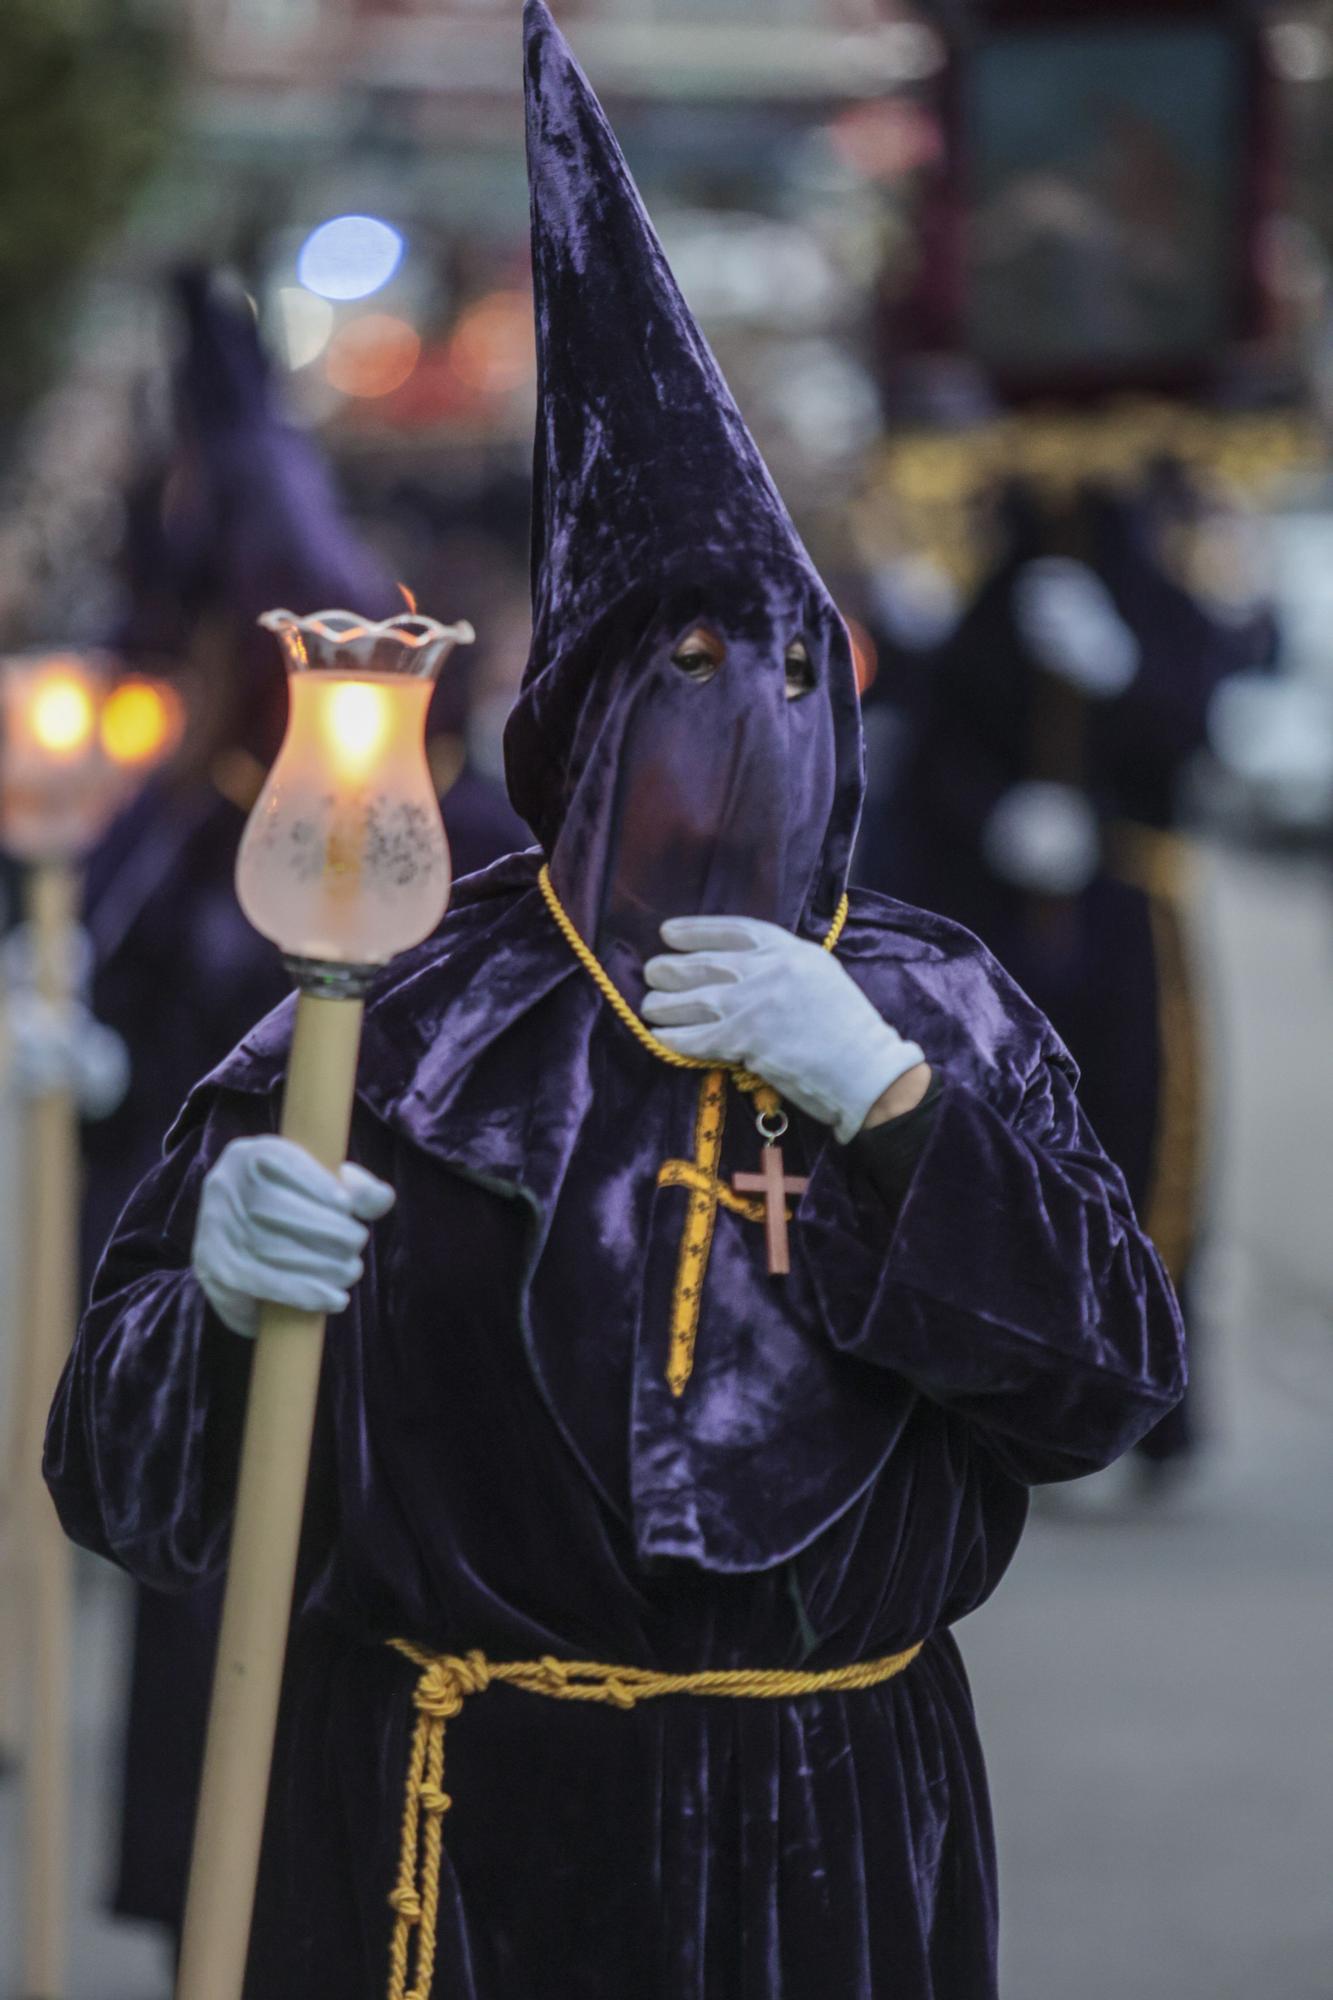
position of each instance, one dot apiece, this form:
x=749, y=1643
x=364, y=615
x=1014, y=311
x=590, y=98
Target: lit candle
x=344, y=861
x=76, y=743
x=74, y=746
x=53, y=771
x=141, y=722
x=343, y=864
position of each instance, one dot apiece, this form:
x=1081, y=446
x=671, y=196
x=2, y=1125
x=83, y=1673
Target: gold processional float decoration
x=925, y=488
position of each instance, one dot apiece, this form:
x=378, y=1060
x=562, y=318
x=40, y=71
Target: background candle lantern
x=75, y=745
x=343, y=864
x=55, y=771
x=141, y=722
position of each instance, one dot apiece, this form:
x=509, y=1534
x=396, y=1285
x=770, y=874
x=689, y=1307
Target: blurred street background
x=1030, y=307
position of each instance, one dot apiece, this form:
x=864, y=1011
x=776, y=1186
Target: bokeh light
x=492, y=350
x=141, y=720
x=306, y=323
x=349, y=257
x=372, y=355
x=62, y=714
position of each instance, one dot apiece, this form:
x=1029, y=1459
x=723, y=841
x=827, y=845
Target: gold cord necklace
x=757, y=1197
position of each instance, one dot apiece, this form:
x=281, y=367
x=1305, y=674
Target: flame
x=140, y=720
x=62, y=717
x=357, y=719
x=865, y=654
x=409, y=598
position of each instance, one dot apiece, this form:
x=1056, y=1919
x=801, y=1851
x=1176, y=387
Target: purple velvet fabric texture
x=839, y=1487
x=498, y=1462
x=177, y=971
x=180, y=974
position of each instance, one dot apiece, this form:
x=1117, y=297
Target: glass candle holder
x=344, y=860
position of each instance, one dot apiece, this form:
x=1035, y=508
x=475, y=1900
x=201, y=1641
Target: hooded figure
x=572, y=1409
x=663, y=560
x=244, y=516
x=1038, y=806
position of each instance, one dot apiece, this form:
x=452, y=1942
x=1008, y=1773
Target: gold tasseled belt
x=445, y=1682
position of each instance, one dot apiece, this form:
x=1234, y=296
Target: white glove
x=1042, y=837
x=734, y=990
x=274, y=1225
x=1067, y=619
x=61, y=1047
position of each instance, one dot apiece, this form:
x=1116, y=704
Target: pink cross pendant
x=774, y=1186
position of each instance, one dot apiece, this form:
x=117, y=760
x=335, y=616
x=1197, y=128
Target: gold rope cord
x=745, y=1079
x=700, y=1176
x=700, y=1221
x=446, y=1680
x=1160, y=864
x=690, y=1174
x=1173, y=1199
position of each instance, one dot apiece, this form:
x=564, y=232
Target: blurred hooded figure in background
x=575, y=1409
x=1036, y=806
x=244, y=516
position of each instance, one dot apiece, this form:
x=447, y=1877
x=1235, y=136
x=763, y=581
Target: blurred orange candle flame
x=62, y=716
x=75, y=742
x=141, y=721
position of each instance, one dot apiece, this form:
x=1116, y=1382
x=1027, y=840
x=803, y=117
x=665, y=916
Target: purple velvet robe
x=182, y=975
x=500, y=1465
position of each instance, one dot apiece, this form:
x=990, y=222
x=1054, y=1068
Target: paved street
x=1154, y=1687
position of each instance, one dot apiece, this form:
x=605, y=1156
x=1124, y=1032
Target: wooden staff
x=275, y=1459
x=50, y=1309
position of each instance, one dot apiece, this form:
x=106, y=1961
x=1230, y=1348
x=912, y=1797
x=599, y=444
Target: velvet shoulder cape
x=498, y=965
x=480, y=1048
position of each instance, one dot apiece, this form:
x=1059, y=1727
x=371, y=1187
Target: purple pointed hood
x=280, y=531
x=275, y=525
x=653, y=514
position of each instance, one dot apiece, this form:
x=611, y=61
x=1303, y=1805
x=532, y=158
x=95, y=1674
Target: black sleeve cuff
x=886, y=1156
